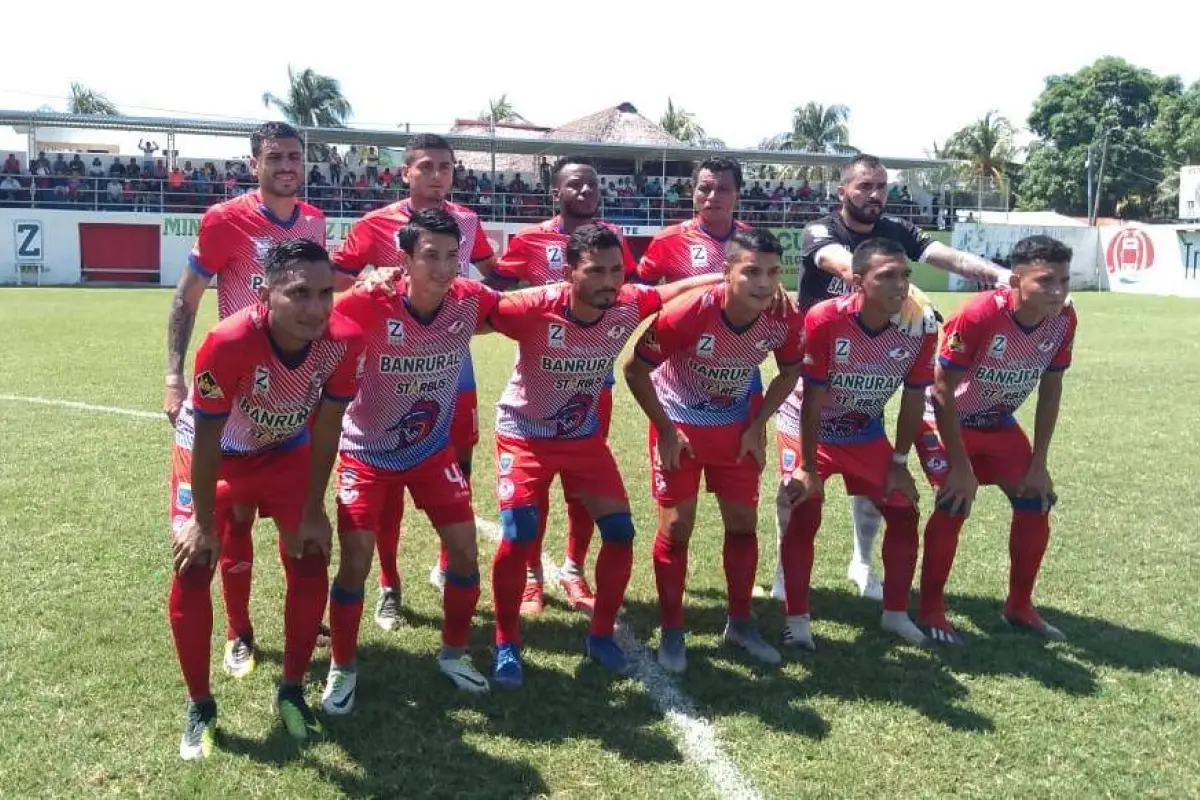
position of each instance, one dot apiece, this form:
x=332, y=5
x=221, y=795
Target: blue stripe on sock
x=463, y=581
x=344, y=597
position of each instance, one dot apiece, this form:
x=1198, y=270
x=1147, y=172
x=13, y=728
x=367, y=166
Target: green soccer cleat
x=200, y=731
x=297, y=717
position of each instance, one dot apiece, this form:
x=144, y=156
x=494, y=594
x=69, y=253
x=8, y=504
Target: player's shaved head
x=426, y=141
x=1039, y=249
x=426, y=220
x=874, y=252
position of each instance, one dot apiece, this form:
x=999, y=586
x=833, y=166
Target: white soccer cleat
x=797, y=632
x=778, y=592
x=437, y=578
x=340, y=688
x=899, y=623
x=462, y=673
x=387, y=610
x=864, y=577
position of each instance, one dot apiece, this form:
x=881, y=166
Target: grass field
x=93, y=703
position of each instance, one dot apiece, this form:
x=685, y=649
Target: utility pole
x=1100, y=178
x=1089, y=183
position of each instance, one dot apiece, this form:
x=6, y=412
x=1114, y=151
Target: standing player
x=547, y=424
x=234, y=239
x=996, y=349
x=826, y=272
x=691, y=373
x=243, y=438
x=429, y=171
x=855, y=358
x=397, y=436
x=535, y=257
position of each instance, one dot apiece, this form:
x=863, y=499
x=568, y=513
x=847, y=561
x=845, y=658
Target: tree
x=986, y=145
x=1176, y=134
x=1113, y=100
x=89, y=101
x=816, y=128
x=313, y=101
x=682, y=125
x=500, y=109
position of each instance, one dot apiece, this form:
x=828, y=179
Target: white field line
x=697, y=737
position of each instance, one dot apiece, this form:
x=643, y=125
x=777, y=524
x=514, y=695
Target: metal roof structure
x=24, y=120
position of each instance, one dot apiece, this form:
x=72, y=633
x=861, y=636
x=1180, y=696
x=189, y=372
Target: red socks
x=614, y=565
x=941, y=543
x=900, y=544
x=741, y=564
x=345, y=615
x=191, y=615
x=387, y=544
x=580, y=528
x=508, y=582
x=236, y=564
x=1028, y=537
x=303, y=607
x=797, y=552
x=460, y=596
x=670, y=575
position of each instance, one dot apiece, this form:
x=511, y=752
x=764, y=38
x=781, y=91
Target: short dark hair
x=284, y=254
x=860, y=160
x=431, y=220
x=426, y=141
x=588, y=239
x=876, y=246
x=721, y=164
x=270, y=130
x=757, y=240
x=1045, y=249
x=567, y=161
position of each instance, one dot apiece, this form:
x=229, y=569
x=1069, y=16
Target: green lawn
x=93, y=701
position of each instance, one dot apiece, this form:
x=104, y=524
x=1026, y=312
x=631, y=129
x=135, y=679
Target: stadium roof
x=475, y=142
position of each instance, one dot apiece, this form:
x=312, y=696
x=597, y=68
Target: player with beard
x=234, y=239
x=826, y=252
x=536, y=257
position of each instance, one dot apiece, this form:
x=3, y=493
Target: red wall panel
x=112, y=252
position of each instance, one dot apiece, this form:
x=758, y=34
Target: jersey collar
x=269, y=214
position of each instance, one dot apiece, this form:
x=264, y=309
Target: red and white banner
x=1151, y=259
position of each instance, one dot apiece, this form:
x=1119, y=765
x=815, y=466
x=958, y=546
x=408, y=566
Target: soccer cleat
x=579, y=594
x=200, y=731
x=507, y=669
x=941, y=632
x=340, y=689
x=241, y=657
x=797, y=632
x=607, y=653
x=533, y=599
x=863, y=576
x=744, y=634
x=437, y=577
x=298, y=718
x=899, y=623
x=462, y=673
x=672, y=650
x=387, y=610
x=1029, y=619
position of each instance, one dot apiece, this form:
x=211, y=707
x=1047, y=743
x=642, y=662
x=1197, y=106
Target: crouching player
x=692, y=373
x=996, y=349
x=243, y=439
x=547, y=424
x=855, y=359
x=397, y=435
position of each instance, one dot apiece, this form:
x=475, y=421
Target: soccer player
x=826, y=272
x=855, y=359
x=429, y=171
x=547, y=424
x=535, y=257
x=397, y=436
x=691, y=372
x=698, y=246
x=243, y=438
x=996, y=349
x=234, y=239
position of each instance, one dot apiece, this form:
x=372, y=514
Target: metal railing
x=190, y=197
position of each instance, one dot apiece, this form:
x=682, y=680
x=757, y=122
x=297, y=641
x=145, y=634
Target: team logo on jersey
x=764, y=345
x=699, y=255
x=556, y=336
x=706, y=345
x=262, y=244
x=455, y=326
x=206, y=386
x=257, y=282
x=262, y=380
x=417, y=424
x=617, y=331
x=554, y=257
x=955, y=343
x=183, y=496
x=999, y=345
x=395, y=331
x=841, y=351
x=899, y=353
x=1045, y=345
x=571, y=416
x=504, y=464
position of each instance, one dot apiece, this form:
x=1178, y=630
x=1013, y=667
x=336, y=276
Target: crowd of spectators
x=354, y=183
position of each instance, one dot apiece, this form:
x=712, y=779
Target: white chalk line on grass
x=697, y=737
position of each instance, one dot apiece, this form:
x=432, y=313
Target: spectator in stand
x=148, y=149
x=10, y=187
x=353, y=160
x=11, y=165
x=386, y=178
x=372, y=160
x=335, y=166
x=76, y=167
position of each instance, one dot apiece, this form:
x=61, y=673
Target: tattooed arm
x=184, y=305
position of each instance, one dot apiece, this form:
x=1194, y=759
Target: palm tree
x=816, y=128
x=89, y=101
x=315, y=101
x=500, y=109
x=986, y=144
x=682, y=125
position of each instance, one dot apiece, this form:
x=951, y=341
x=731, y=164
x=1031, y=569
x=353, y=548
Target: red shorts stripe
x=526, y=467
x=372, y=499
x=999, y=456
x=267, y=482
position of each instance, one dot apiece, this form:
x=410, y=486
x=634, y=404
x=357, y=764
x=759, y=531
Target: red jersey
x=1003, y=360
x=402, y=415
x=562, y=363
x=861, y=368
x=537, y=255
x=240, y=374
x=372, y=239
x=704, y=366
x=684, y=251
x=234, y=238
